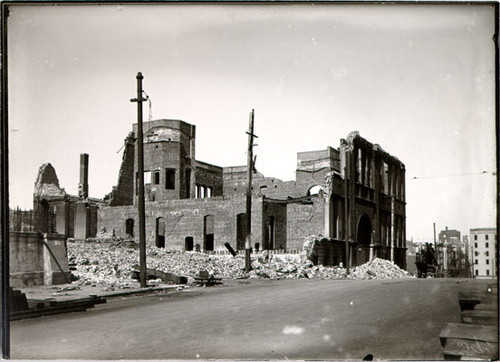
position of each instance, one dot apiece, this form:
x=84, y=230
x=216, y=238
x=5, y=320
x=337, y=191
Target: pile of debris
x=114, y=264
x=105, y=263
x=111, y=263
x=378, y=269
x=292, y=266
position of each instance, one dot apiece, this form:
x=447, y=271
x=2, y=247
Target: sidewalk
x=69, y=292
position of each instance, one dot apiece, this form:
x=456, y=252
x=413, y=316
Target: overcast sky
x=416, y=79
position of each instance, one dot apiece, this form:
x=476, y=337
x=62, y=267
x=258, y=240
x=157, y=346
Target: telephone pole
x=248, y=239
x=140, y=171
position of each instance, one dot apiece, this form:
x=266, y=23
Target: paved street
x=264, y=319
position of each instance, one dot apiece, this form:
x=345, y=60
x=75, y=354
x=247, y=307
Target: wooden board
x=471, y=332
x=468, y=300
x=208, y=281
x=482, y=306
x=480, y=316
x=457, y=349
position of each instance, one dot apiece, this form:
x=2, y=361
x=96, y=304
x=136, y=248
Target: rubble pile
x=190, y=263
x=292, y=266
x=112, y=264
x=378, y=269
x=105, y=263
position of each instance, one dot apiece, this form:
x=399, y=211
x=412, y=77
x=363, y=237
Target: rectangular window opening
x=147, y=177
x=170, y=179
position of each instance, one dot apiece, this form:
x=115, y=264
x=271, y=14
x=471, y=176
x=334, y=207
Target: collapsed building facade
x=353, y=195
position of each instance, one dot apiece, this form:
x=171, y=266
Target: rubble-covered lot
x=111, y=263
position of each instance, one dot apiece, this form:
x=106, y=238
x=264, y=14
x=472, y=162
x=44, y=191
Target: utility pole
x=140, y=171
x=248, y=239
x=435, y=246
x=347, y=227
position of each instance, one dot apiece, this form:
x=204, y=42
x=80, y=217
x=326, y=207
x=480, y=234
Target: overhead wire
x=452, y=175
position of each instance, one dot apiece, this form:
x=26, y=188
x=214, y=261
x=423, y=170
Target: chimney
x=83, y=186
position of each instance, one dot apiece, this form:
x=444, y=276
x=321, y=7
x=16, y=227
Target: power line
x=453, y=175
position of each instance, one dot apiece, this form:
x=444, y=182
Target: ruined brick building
x=354, y=193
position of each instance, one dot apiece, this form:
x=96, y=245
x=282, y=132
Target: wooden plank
x=457, y=349
x=208, y=281
x=471, y=332
x=493, y=287
x=480, y=316
x=158, y=274
x=482, y=306
x=468, y=300
x=483, y=297
x=44, y=303
x=34, y=313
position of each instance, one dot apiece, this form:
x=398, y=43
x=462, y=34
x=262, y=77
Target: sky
x=416, y=79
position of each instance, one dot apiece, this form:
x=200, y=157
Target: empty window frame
x=129, y=227
x=156, y=177
x=486, y=237
x=170, y=179
x=189, y=243
x=147, y=177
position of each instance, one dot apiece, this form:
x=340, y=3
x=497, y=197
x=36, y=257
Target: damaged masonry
x=353, y=195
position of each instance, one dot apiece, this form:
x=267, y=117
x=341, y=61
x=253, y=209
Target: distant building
x=453, y=254
x=411, y=251
x=485, y=250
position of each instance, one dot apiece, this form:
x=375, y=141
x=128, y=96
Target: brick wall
x=328, y=252
x=278, y=213
x=185, y=218
x=262, y=186
x=209, y=176
x=123, y=193
x=304, y=220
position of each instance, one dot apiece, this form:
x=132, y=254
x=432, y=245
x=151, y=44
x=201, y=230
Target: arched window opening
x=314, y=190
